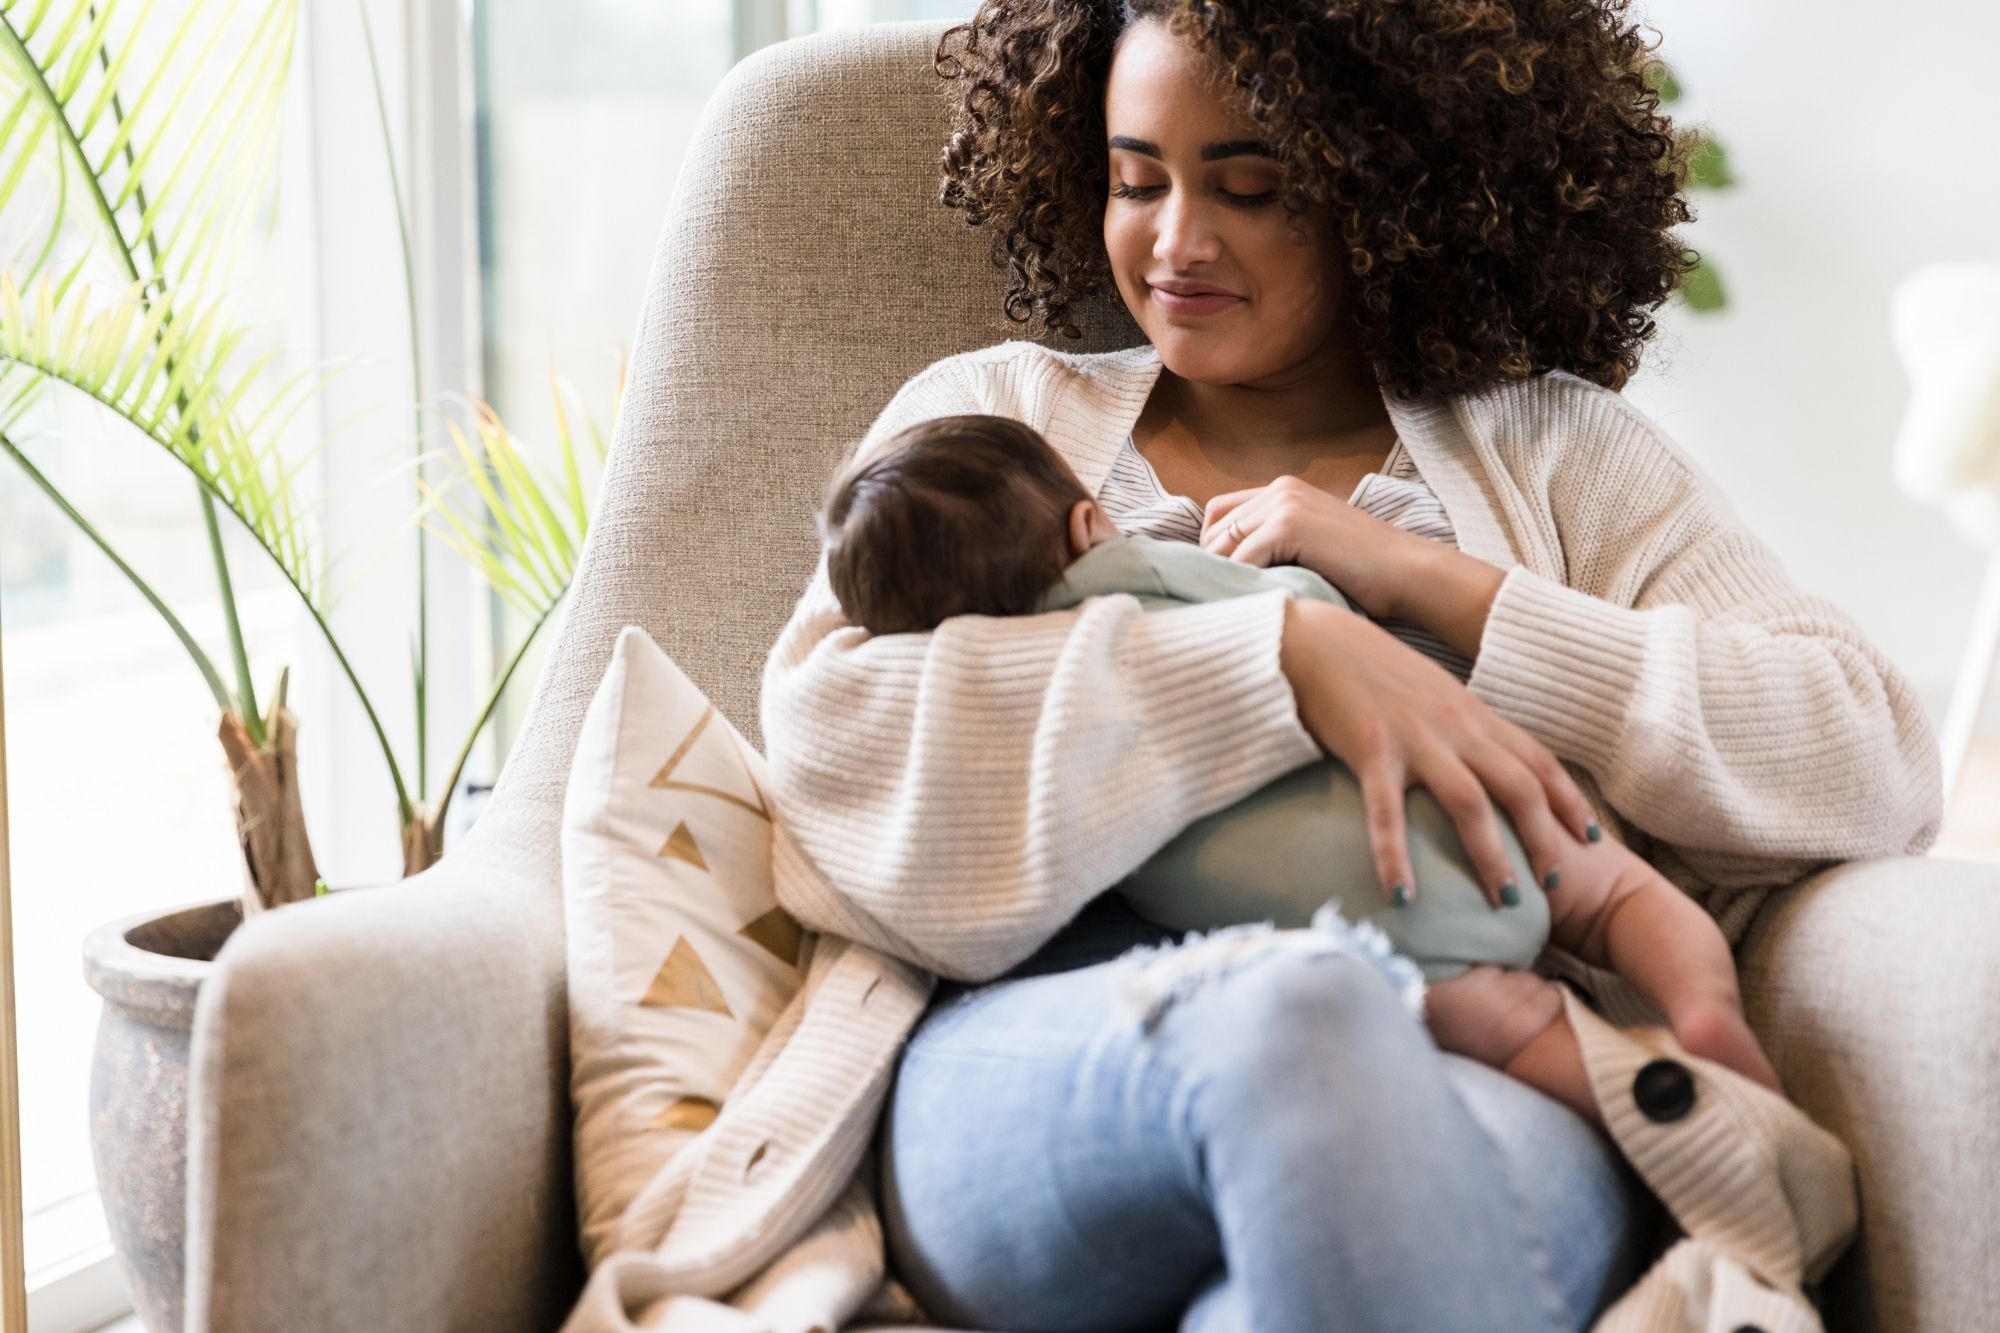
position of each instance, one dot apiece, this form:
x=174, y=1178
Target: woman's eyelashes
x=1120, y=190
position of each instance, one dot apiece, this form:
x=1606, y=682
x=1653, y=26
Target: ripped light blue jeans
x=1282, y=1148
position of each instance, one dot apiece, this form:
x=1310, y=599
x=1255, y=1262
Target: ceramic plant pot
x=149, y=968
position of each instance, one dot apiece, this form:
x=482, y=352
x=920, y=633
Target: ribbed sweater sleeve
x=1748, y=725
x=961, y=793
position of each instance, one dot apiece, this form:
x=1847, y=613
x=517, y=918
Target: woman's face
x=1228, y=287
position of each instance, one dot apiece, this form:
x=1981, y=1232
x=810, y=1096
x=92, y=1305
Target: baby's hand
x=1716, y=1030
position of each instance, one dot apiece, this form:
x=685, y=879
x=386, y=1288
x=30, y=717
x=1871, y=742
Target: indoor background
x=538, y=145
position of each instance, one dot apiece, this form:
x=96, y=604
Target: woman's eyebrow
x=1210, y=152
x=1215, y=152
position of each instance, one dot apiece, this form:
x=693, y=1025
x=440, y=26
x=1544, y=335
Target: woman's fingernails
x=1400, y=895
x=1509, y=894
x=1593, y=831
x=1551, y=880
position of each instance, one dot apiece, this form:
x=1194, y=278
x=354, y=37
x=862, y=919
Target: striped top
x=1133, y=498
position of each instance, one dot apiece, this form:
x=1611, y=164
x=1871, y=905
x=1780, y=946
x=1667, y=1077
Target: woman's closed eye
x=1121, y=190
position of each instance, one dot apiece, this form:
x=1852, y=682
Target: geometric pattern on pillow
x=679, y=957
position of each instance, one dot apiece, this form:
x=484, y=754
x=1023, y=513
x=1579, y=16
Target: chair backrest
x=805, y=270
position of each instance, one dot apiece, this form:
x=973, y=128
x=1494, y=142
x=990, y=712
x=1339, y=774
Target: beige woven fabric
x=379, y=1111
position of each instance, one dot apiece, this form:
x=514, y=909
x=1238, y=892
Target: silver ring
x=1232, y=532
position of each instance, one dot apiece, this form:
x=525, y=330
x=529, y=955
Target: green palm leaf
x=179, y=380
x=169, y=124
x=198, y=114
x=527, y=532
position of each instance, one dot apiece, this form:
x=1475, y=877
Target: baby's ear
x=1088, y=526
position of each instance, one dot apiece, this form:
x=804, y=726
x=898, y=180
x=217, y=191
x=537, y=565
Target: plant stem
x=326, y=631
x=202, y=664
x=403, y=807
x=492, y=701
x=246, y=685
x=422, y=681
x=253, y=720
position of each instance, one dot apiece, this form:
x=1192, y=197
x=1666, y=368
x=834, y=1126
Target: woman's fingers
x=1382, y=788
x=1520, y=792
x=1459, y=790
x=1564, y=797
x=1220, y=506
x=1397, y=719
x=1225, y=526
x=1258, y=546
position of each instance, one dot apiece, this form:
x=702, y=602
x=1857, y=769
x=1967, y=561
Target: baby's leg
x=1514, y=1022
x=1614, y=910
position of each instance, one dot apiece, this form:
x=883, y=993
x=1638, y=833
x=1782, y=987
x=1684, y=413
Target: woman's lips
x=1194, y=302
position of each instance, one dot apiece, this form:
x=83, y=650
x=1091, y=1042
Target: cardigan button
x=1746, y=1328
x=1664, y=1091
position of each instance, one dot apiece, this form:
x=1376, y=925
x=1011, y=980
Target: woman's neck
x=1328, y=406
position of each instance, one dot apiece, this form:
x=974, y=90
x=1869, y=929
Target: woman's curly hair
x=1498, y=171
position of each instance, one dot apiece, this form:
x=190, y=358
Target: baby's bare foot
x=1716, y=1030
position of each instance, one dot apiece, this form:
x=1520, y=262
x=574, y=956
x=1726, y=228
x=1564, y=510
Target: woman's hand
x=1398, y=720
x=1293, y=522
x=1388, y=572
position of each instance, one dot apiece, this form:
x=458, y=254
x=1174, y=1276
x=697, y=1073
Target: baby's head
x=954, y=516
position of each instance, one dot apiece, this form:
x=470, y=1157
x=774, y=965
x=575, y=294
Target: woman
x=1361, y=241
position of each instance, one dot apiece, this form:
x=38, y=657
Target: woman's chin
x=1202, y=358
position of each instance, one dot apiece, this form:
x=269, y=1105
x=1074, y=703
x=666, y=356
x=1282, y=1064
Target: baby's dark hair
x=953, y=516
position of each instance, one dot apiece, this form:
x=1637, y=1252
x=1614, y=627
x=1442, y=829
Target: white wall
x=1860, y=137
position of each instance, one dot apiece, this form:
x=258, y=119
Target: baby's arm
x=1614, y=910
x=1189, y=574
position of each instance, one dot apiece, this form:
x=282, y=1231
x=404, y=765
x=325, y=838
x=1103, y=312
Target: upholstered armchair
x=379, y=1117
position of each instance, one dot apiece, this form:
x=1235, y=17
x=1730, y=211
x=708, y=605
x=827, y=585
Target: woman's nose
x=1186, y=236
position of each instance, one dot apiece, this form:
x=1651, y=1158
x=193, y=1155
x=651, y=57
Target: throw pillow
x=679, y=956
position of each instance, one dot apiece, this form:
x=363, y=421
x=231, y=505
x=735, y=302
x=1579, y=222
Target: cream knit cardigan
x=949, y=800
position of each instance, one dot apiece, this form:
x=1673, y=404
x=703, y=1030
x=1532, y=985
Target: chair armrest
x=1874, y=987
x=379, y=1132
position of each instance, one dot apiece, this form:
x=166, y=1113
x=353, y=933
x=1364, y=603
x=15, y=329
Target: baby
x=978, y=515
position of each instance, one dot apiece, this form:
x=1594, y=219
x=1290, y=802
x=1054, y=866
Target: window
x=585, y=112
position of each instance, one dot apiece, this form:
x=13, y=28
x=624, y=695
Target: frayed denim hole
x=1151, y=979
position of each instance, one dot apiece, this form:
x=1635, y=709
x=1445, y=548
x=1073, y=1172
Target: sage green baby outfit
x=1288, y=848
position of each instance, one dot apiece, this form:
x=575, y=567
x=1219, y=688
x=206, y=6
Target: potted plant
x=118, y=294
x=1703, y=164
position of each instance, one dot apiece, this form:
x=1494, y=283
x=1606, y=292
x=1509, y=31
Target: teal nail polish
x=1401, y=896
x=1551, y=881
x=1593, y=832
x=1509, y=894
